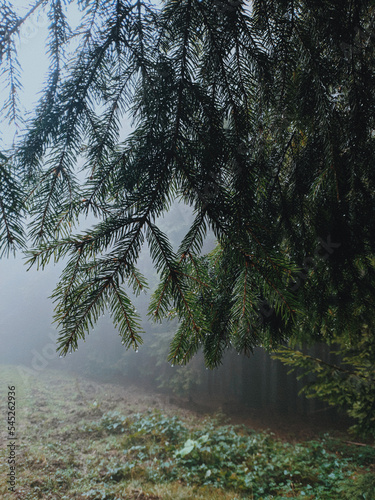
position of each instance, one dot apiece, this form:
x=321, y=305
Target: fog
x=28, y=335
x=107, y=423
x=28, y=338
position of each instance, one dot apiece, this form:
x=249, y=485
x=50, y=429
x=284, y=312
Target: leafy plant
x=348, y=384
x=360, y=487
x=233, y=458
x=120, y=455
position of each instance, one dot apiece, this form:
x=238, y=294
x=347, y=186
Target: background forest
x=257, y=118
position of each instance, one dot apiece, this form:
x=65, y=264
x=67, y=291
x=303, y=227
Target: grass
x=84, y=440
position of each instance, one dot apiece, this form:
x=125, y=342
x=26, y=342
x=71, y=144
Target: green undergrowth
x=251, y=463
x=77, y=444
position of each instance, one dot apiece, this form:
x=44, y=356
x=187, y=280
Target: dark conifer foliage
x=258, y=114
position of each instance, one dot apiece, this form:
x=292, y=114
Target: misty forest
x=187, y=242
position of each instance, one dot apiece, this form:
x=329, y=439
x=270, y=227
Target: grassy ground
x=79, y=439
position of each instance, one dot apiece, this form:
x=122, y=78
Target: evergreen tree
x=348, y=383
x=260, y=115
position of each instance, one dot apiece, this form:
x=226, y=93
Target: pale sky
x=31, y=47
